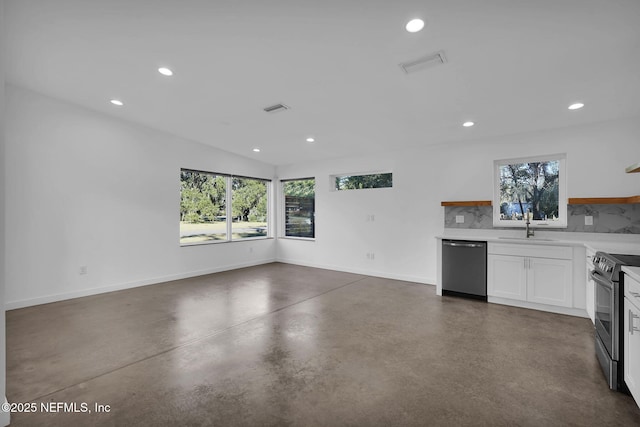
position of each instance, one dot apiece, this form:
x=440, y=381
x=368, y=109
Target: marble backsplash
x=622, y=218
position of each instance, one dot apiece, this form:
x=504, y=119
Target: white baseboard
x=12, y=305
x=5, y=416
x=406, y=278
x=578, y=312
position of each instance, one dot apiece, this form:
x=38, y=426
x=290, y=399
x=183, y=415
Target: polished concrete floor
x=284, y=345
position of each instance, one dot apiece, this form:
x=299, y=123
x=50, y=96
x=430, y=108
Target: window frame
x=561, y=222
x=283, y=209
x=229, y=208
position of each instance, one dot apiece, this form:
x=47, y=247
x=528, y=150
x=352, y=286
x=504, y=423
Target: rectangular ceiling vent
x=276, y=108
x=424, y=62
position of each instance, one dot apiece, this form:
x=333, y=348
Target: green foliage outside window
x=358, y=182
x=299, y=201
x=204, y=211
x=529, y=188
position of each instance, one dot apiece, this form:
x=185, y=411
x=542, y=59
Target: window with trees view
x=530, y=188
x=299, y=207
x=358, y=182
x=204, y=207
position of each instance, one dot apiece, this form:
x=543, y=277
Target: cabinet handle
x=632, y=327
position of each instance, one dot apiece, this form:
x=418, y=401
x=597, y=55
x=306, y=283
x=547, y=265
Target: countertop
x=633, y=272
x=618, y=244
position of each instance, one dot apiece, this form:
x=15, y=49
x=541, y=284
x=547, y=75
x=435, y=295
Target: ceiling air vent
x=275, y=108
x=428, y=61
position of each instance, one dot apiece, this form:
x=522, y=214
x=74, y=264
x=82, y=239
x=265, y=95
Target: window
x=299, y=207
x=202, y=207
x=533, y=188
x=249, y=206
x=358, y=182
x=204, y=210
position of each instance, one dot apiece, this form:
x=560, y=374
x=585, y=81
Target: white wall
x=86, y=189
x=409, y=216
x=4, y=416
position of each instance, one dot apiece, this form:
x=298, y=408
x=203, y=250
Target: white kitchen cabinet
x=506, y=277
x=632, y=336
x=591, y=289
x=536, y=274
x=549, y=281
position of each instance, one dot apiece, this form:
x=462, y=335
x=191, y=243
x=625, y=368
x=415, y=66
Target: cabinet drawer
x=538, y=251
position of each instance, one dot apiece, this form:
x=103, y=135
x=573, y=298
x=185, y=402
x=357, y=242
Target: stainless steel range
x=608, y=314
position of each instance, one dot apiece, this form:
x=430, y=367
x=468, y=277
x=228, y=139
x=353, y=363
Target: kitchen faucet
x=529, y=230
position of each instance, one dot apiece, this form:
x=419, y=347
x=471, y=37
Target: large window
x=299, y=207
x=249, y=206
x=362, y=181
x=532, y=188
x=207, y=217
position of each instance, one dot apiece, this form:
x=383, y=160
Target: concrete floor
x=288, y=345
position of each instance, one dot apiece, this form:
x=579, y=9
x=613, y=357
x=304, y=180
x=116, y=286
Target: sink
x=529, y=239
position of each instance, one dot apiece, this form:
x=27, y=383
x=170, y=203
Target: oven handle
x=597, y=277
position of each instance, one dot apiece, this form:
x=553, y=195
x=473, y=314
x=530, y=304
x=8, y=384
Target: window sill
x=219, y=242
x=306, y=239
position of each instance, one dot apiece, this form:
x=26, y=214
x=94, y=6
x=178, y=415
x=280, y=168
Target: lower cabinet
x=530, y=273
x=549, y=281
x=507, y=277
x=632, y=337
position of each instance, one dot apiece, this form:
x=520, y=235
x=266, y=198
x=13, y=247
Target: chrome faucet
x=529, y=230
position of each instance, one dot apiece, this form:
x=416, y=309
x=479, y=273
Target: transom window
x=363, y=181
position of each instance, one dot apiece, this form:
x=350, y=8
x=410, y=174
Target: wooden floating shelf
x=604, y=200
x=633, y=168
x=468, y=203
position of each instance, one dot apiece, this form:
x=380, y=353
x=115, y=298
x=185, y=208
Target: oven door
x=606, y=312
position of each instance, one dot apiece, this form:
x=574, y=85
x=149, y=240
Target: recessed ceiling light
x=117, y=102
x=165, y=71
x=311, y=139
x=256, y=150
x=468, y=124
x=415, y=25
x=576, y=106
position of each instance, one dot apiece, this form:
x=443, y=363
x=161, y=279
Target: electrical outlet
x=459, y=219
x=83, y=270
x=588, y=220
x=371, y=256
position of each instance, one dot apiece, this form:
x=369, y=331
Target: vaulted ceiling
x=512, y=66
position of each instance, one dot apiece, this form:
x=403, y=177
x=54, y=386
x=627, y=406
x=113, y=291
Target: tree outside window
x=531, y=188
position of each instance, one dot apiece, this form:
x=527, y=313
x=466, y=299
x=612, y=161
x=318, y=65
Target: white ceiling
x=513, y=66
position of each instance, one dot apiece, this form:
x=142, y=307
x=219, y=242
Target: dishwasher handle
x=462, y=244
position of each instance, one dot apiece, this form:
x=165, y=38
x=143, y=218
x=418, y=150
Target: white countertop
x=634, y=272
x=606, y=242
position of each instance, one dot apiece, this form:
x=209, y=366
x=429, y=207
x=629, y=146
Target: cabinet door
x=632, y=349
x=591, y=289
x=549, y=281
x=506, y=277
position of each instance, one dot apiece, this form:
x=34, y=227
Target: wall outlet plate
x=588, y=220
x=459, y=219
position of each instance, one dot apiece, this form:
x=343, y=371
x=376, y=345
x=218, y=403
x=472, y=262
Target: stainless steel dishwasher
x=464, y=269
